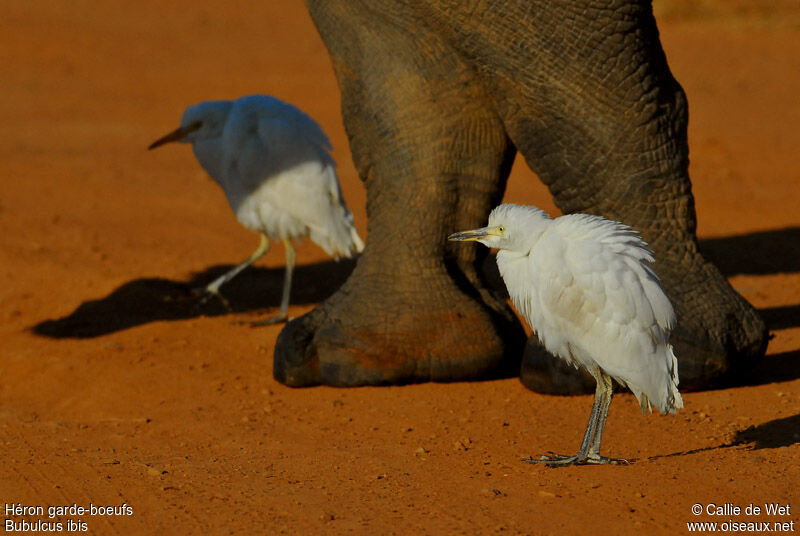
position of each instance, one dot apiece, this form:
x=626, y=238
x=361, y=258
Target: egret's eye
x=501, y=229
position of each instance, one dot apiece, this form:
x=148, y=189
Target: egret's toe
x=557, y=460
x=277, y=319
x=560, y=460
x=206, y=294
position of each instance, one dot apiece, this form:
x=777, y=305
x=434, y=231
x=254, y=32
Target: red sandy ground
x=115, y=389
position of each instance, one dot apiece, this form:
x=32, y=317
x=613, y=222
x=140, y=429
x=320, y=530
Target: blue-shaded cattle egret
x=274, y=163
x=585, y=286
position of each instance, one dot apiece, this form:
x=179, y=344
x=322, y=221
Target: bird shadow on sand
x=146, y=300
x=777, y=433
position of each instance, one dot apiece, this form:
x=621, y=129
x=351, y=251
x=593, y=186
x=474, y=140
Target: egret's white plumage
x=586, y=286
x=274, y=163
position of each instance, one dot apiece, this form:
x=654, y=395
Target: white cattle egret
x=586, y=287
x=273, y=162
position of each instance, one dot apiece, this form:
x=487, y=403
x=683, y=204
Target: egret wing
x=304, y=180
x=293, y=121
x=613, y=308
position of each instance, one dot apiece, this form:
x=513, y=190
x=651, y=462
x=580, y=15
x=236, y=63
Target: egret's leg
x=605, y=382
x=588, y=436
x=212, y=289
x=589, y=452
x=591, y=427
x=606, y=385
x=282, y=315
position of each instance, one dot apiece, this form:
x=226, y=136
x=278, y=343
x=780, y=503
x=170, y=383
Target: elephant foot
x=371, y=334
x=545, y=373
x=718, y=338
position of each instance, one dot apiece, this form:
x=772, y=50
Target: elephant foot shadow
x=146, y=300
x=758, y=253
x=774, y=368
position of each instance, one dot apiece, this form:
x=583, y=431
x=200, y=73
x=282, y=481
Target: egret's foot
x=206, y=294
x=559, y=460
x=370, y=333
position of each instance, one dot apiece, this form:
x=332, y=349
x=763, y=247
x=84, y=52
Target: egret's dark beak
x=470, y=236
x=175, y=135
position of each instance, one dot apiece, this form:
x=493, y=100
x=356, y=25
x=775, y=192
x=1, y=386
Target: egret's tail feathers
x=357, y=242
x=342, y=241
x=677, y=399
x=644, y=402
x=672, y=400
x=662, y=391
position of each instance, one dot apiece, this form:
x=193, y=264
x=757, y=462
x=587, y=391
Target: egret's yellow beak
x=474, y=234
x=175, y=135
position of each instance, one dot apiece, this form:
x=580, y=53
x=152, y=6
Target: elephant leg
x=434, y=159
x=587, y=96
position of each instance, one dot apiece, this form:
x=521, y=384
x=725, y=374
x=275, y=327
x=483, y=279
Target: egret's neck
x=210, y=155
x=507, y=259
